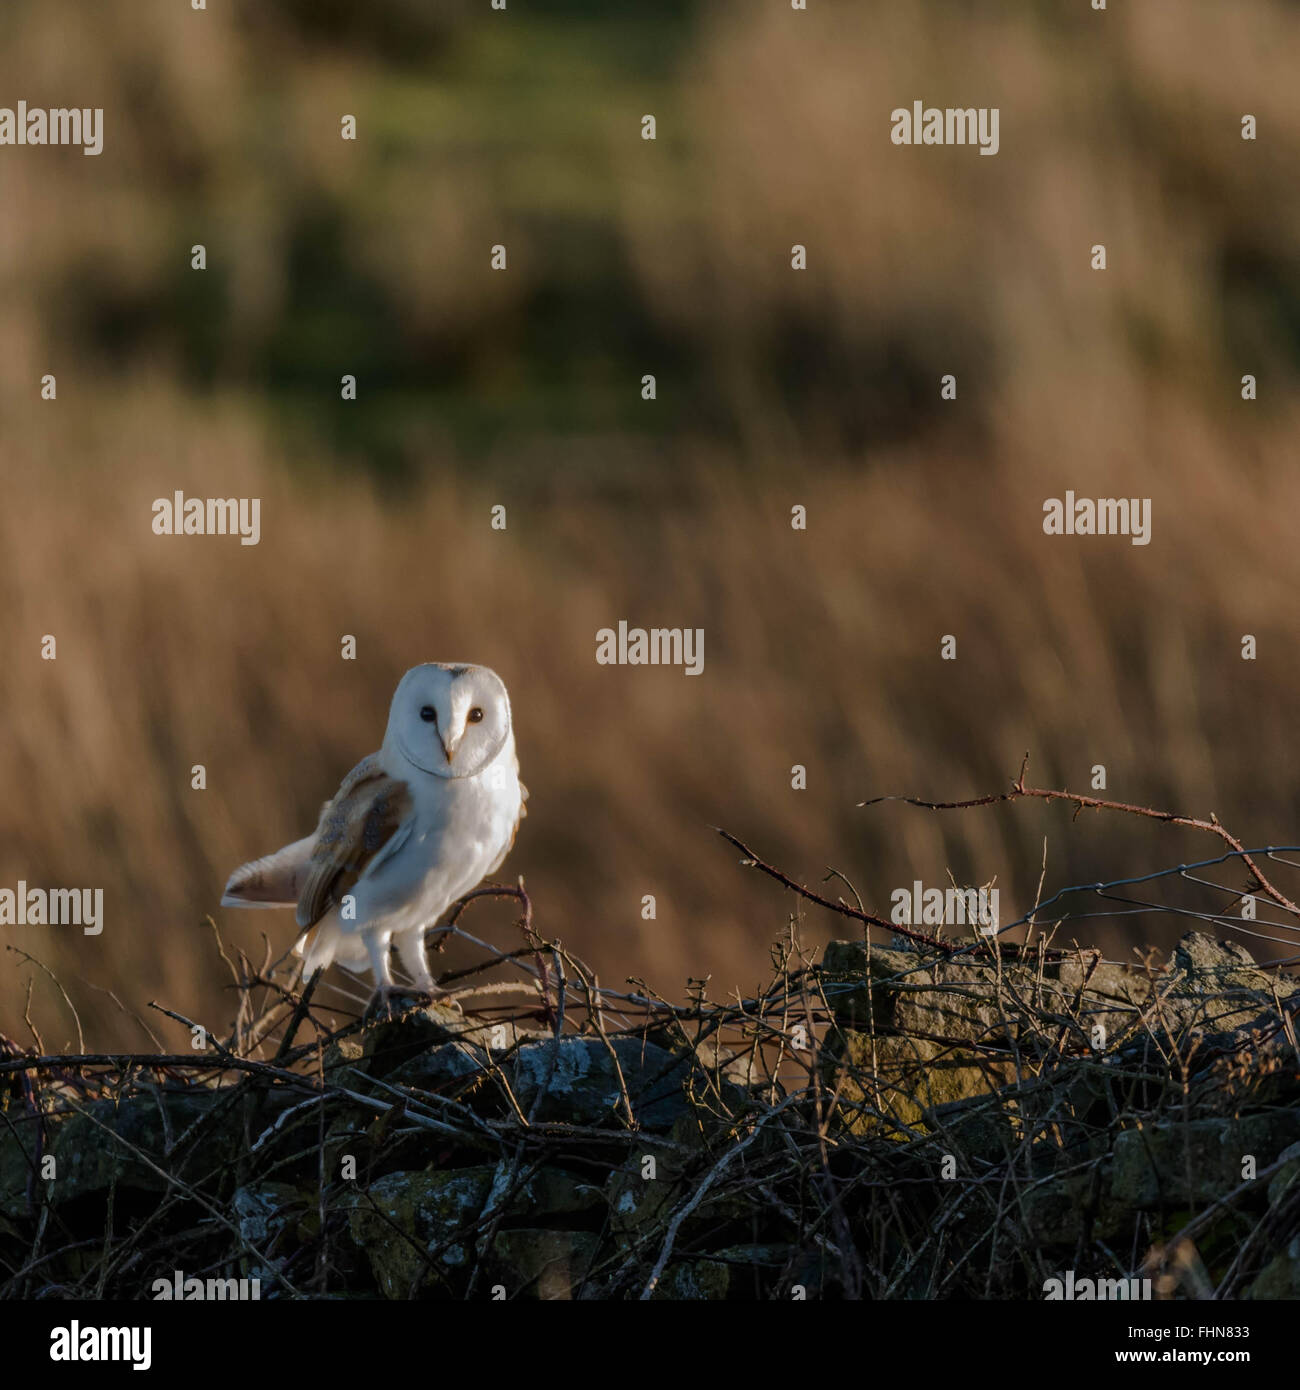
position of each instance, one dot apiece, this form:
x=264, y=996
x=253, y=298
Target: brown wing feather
x=360, y=820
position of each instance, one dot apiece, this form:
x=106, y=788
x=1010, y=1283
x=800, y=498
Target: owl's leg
x=377, y=949
x=410, y=947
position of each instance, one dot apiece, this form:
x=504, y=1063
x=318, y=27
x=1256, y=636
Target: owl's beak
x=449, y=747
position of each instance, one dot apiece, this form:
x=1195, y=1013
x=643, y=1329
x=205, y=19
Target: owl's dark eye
x=475, y=715
x=429, y=714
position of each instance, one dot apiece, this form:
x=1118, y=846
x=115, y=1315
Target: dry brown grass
x=821, y=648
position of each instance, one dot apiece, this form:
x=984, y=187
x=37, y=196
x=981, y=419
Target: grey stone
x=888, y=1082
x=1214, y=990
x=449, y=1070
x=577, y=1082
x=978, y=1128
x=405, y=1216
x=18, y=1149
x=1286, y=1181
x=1280, y=1278
x=264, y=1212
x=1174, y=1163
x=694, y=1281
x=387, y=1043
x=543, y=1264
x=125, y=1145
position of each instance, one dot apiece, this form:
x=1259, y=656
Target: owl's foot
x=386, y=1003
x=391, y=1001
x=424, y=987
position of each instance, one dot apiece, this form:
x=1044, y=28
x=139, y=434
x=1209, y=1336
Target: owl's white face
x=447, y=719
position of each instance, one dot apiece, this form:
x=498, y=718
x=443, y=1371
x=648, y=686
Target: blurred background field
x=523, y=388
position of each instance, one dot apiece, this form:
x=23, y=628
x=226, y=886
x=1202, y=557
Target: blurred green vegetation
x=522, y=128
x=525, y=109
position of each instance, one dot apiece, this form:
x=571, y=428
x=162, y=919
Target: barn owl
x=411, y=829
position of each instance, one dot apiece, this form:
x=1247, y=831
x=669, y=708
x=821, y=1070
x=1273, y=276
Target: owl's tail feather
x=276, y=881
x=273, y=881
x=329, y=943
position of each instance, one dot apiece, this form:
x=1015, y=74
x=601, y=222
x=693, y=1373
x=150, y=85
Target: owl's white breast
x=462, y=828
